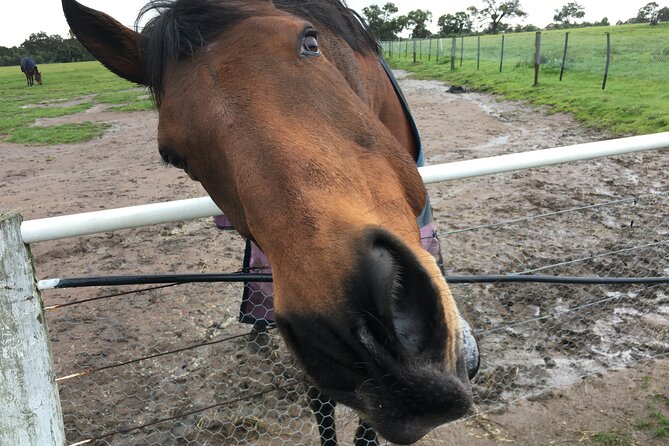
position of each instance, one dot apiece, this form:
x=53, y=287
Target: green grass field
x=67, y=89
x=635, y=101
x=636, y=98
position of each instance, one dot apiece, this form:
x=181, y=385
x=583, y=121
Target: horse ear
x=115, y=45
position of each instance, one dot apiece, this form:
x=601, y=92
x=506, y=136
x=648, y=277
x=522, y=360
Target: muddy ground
x=549, y=352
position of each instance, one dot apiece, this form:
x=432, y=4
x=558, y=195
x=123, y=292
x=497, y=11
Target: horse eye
x=170, y=157
x=310, y=44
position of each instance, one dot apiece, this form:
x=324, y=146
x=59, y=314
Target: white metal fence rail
x=53, y=228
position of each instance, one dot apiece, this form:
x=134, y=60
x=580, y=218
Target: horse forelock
x=181, y=27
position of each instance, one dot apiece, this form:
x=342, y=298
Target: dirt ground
x=548, y=361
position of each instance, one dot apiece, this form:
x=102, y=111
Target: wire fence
x=590, y=53
x=171, y=365
x=538, y=336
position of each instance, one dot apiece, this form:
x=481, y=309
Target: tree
x=418, y=18
x=9, y=56
x=569, y=11
x=494, y=12
x=647, y=14
x=525, y=28
x=382, y=23
x=663, y=14
x=45, y=48
x=457, y=24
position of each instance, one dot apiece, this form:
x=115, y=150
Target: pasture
x=216, y=393
x=636, y=98
x=68, y=89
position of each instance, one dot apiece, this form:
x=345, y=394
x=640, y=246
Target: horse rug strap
x=257, y=305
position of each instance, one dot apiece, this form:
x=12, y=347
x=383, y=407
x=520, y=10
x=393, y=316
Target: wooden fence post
x=30, y=412
x=478, y=52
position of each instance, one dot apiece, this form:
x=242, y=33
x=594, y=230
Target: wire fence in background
x=584, y=52
x=172, y=365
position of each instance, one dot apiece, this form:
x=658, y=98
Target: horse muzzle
x=384, y=351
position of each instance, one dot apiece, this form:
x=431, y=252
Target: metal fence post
x=453, y=44
x=438, y=45
x=30, y=412
x=608, y=59
x=564, y=54
x=414, y=50
x=429, y=50
x=501, y=56
x=537, y=57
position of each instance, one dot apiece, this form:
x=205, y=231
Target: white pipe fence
x=545, y=157
x=54, y=228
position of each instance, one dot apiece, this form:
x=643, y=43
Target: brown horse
x=283, y=112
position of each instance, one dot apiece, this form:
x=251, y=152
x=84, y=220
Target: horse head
x=38, y=75
x=284, y=114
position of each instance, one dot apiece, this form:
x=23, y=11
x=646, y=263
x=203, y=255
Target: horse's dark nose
x=396, y=350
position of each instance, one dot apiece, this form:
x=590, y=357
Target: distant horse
x=284, y=113
x=30, y=70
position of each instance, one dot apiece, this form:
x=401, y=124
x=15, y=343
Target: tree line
x=45, y=49
x=490, y=18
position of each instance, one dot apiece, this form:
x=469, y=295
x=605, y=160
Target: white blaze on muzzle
x=470, y=348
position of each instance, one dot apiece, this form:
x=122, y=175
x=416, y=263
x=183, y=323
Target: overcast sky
x=18, y=19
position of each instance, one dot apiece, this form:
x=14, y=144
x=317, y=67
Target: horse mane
x=183, y=26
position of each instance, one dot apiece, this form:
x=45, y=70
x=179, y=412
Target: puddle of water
x=626, y=311
x=494, y=142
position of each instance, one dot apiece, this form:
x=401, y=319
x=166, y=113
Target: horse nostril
x=400, y=309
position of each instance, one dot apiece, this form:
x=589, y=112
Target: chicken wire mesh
x=172, y=365
x=537, y=336
x=166, y=366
